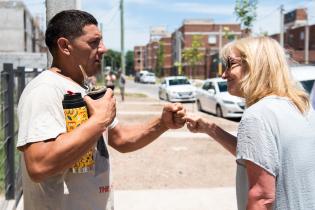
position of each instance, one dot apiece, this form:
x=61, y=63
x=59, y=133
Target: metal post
x=9, y=132
x=307, y=39
x=21, y=80
x=220, y=47
x=122, y=37
x=281, y=26
x=55, y=6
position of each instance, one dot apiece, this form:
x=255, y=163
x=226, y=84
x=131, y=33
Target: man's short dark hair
x=67, y=24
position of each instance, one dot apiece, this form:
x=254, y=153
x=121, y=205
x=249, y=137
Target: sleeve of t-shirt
x=40, y=115
x=257, y=143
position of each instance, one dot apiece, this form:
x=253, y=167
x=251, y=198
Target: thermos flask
x=76, y=113
x=101, y=146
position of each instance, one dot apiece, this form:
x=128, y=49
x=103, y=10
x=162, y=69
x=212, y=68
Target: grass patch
x=136, y=95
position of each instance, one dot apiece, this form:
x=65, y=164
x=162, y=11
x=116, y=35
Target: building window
x=212, y=39
x=302, y=35
x=138, y=61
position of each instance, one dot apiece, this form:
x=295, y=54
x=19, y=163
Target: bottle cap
x=72, y=100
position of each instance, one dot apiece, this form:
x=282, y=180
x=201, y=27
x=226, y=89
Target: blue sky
x=141, y=15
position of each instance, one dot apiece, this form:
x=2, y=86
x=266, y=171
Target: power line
x=113, y=16
x=115, y=6
x=267, y=15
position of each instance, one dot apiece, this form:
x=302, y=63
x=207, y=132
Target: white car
x=305, y=75
x=176, y=89
x=148, y=77
x=213, y=97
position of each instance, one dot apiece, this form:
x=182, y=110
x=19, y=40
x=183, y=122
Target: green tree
x=246, y=13
x=192, y=56
x=159, y=59
x=129, y=62
x=112, y=59
x=227, y=34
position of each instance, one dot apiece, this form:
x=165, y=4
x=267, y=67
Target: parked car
x=176, y=88
x=148, y=77
x=305, y=75
x=138, y=75
x=213, y=97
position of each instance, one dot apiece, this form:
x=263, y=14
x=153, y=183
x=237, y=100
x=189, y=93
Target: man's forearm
x=47, y=158
x=134, y=137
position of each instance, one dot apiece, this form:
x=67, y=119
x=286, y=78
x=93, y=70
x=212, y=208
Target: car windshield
x=307, y=85
x=222, y=86
x=178, y=82
x=150, y=75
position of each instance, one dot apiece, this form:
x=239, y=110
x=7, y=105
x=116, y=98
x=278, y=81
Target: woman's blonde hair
x=266, y=71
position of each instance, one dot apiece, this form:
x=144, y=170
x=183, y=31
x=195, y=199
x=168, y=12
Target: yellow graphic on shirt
x=74, y=118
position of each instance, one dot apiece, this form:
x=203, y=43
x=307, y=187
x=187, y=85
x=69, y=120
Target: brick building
x=212, y=36
x=167, y=53
x=296, y=28
x=139, y=55
x=145, y=57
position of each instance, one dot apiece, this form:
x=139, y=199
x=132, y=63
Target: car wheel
x=199, y=105
x=167, y=97
x=160, y=97
x=218, y=111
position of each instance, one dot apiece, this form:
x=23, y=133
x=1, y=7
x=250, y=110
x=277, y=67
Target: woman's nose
x=224, y=75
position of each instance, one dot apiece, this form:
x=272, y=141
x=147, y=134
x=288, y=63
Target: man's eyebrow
x=94, y=38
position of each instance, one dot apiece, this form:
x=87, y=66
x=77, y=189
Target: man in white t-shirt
x=74, y=40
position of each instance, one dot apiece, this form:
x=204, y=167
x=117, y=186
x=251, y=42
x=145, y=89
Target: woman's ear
x=64, y=46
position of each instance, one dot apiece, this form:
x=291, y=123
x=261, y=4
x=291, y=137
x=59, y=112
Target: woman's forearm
x=227, y=140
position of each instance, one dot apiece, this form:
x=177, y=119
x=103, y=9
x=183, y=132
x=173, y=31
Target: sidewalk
x=174, y=199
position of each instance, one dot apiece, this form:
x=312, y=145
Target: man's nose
x=101, y=48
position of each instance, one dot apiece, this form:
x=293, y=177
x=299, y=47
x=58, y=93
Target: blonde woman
x=275, y=144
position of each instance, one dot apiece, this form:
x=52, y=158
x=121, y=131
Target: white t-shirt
x=41, y=117
x=274, y=135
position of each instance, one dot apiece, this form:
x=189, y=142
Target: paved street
x=180, y=170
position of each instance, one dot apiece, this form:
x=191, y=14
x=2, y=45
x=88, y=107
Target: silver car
x=177, y=89
x=213, y=97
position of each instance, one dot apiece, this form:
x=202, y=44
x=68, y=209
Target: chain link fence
x=12, y=84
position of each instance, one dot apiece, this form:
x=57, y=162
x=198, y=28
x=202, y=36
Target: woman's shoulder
x=268, y=105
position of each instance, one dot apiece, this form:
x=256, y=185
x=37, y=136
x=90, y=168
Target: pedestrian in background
x=275, y=144
x=121, y=84
x=110, y=80
x=74, y=40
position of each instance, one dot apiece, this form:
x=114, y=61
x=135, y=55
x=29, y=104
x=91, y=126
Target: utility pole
x=220, y=48
x=103, y=60
x=122, y=37
x=281, y=26
x=307, y=39
x=55, y=6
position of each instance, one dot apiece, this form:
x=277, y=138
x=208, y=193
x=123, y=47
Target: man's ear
x=64, y=46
